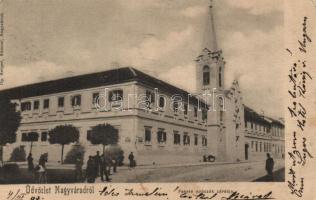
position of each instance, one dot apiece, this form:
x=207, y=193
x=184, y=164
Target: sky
x=46, y=40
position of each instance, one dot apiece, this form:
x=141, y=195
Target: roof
x=109, y=77
x=252, y=115
x=276, y=121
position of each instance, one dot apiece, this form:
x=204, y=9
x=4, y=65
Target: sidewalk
x=125, y=167
x=56, y=165
x=198, y=172
x=188, y=172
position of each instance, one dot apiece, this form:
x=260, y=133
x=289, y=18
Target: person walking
x=30, y=163
x=90, y=170
x=78, y=167
x=97, y=160
x=109, y=163
x=104, y=168
x=114, y=162
x=131, y=160
x=42, y=168
x=269, y=166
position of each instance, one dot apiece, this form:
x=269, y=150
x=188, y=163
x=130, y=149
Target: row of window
x=259, y=127
x=177, y=104
x=176, y=108
x=275, y=131
x=162, y=137
x=258, y=146
x=265, y=147
x=75, y=100
x=43, y=136
x=115, y=95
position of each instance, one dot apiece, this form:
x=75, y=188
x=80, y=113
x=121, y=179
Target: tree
x=18, y=154
x=104, y=134
x=64, y=134
x=76, y=151
x=9, y=121
x=32, y=137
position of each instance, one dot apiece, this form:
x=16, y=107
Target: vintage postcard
x=157, y=99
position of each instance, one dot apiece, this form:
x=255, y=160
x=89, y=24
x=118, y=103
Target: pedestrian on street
x=30, y=162
x=204, y=158
x=78, y=167
x=43, y=159
x=269, y=166
x=109, y=163
x=104, y=168
x=131, y=160
x=97, y=160
x=42, y=168
x=114, y=162
x=90, y=170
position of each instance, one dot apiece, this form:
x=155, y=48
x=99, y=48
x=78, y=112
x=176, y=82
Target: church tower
x=210, y=63
x=210, y=81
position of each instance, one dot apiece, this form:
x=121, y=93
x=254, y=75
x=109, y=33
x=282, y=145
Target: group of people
x=40, y=170
x=100, y=166
x=97, y=166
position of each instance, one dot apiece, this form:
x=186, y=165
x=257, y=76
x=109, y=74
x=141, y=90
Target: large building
x=263, y=135
x=152, y=120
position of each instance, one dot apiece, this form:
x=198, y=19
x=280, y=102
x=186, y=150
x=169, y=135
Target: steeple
x=210, y=63
x=210, y=40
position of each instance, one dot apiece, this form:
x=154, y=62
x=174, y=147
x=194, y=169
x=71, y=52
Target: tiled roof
x=109, y=77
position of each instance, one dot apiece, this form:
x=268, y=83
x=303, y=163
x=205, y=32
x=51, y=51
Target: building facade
x=157, y=121
x=142, y=108
x=263, y=135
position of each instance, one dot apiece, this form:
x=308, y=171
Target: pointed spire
x=210, y=41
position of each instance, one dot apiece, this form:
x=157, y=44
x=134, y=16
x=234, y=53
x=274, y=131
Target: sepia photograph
x=142, y=91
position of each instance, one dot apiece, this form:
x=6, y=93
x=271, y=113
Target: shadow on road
x=278, y=176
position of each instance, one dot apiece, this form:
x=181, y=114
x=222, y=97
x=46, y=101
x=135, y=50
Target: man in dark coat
x=78, y=167
x=269, y=166
x=90, y=171
x=97, y=160
x=131, y=160
x=30, y=163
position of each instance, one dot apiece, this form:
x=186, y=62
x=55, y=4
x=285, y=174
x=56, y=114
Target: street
x=205, y=172
x=278, y=176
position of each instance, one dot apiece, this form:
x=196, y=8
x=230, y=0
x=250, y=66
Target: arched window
x=220, y=77
x=206, y=75
x=161, y=102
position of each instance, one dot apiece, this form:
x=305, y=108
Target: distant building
x=263, y=135
x=160, y=131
